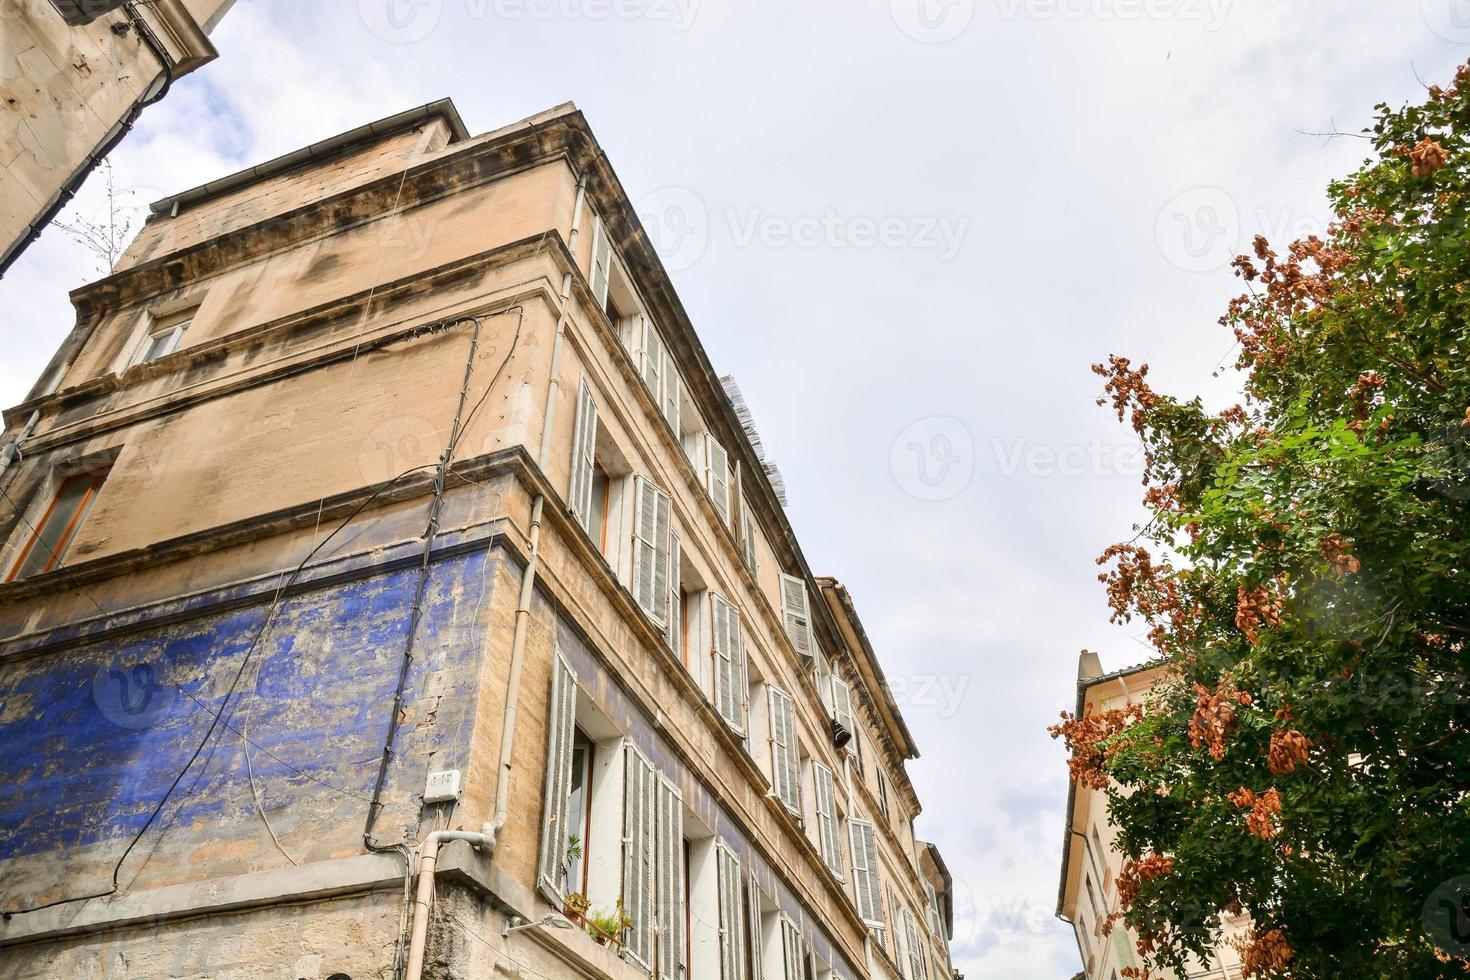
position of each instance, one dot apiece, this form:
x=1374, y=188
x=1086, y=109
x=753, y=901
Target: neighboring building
x=74, y=76
x=385, y=489
x=1088, y=893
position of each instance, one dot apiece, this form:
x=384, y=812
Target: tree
x=1305, y=577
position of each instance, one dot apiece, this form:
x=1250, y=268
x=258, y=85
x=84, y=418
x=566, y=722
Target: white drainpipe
x=424, y=898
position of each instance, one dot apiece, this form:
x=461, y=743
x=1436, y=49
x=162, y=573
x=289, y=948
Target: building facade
x=391, y=590
x=76, y=74
x=1088, y=894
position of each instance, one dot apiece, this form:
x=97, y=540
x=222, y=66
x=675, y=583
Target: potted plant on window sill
x=574, y=907
x=608, y=927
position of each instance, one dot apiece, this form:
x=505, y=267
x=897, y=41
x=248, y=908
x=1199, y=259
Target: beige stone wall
x=62, y=88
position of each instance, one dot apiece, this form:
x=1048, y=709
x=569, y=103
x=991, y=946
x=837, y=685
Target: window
x=1092, y=896
x=57, y=528
x=638, y=853
x=601, y=264
x=729, y=663
x=882, y=791
x=731, y=912
x=796, y=614
x=865, y=872
x=163, y=337
x=717, y=479
x=655, y=366
x=748, y=534
x=1086, y=942
x=651, y=550
x=560, y=728
x=826, y=800
x=784, y=778
x=842, y=710
x=584, y=463
x=579, y=812
x=597, y=512
x=674, y=621
x=917, y=964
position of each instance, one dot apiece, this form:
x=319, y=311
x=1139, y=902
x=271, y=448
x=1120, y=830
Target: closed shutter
x=732, y=919
x=933, y=903
x=561, y=717
x=756, y=902
x=601, y=264
x=652, y=358
x=672, y=397
x=651, y=550
x=842, y=707
x=674, y=630
x=1123, y=947
x=791, y=950
x=729, y=663
x=669, y=845
x=865, y=872
x=717, y=476
x=796, y=614
x=892, y=944
x=783, y=750
x=638, y=851
x=827, y=818
x=915, y=967
x=584, y=454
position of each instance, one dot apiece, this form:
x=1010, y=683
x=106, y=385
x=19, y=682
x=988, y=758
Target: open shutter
x=651, y=365
x=796, y=614
x=732, y=919
x=729, y=663
x=717, y=476
x=932, y=900
x=561, y=716
x=1123, y=947
x=865, y=872
x=584, y=451
x=842, y=707
x=638, y=820
x=748, y=537
x=669, y=838
x=755, y=903
x=791, y=951
x=601, y=264
x=783, y=749
x=674, y=621
x=651, y=550
x=672, y=396
x=915, y=967
x=888, y=935
x=827, y=818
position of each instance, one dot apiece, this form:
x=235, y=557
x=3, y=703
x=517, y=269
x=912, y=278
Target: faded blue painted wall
x=93, y=735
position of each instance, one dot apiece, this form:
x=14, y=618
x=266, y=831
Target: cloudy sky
x=907, y=227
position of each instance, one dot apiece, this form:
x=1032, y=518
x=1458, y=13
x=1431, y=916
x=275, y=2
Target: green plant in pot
x=608, y=927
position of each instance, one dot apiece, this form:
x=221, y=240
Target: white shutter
x=796, y=613
x=584, y=452
x=601, y=264
x=892, y=920
x=729, y=663
x=827, y=817
x=791, y=950
x=669, y=835
x=717, y=476
x=674, y=628
x=672, y=396
x=914, y=967
x=651, y=358
x=757, y=948
x=732, y=920
x=747, y=536
x=638, y=820
x=784, y=775
x=561, y=717
x=651, y=550
x=933, y=903
x=865, y=872
x=842, y=706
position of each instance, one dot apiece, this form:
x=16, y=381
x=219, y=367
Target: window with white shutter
x=748, y=537
x=842, y=708
x=669, y=845
x=584, y=457
x=601, y=264
x=755, y=905
x=791, y=956
x=932, y=901
x=638, y=853
x=561, y=717
x=784, y=776
x=915, y=964
x=673, y=397
x=674, y=621
x=729, y=656
x=651, y=530
x=717, y=476
x=651, y=358
x=732, y=918
x=891, y=918
x=796, y=614
x=865, y=872
x=827, y=818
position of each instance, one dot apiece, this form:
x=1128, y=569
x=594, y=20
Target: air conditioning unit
x=79, y=12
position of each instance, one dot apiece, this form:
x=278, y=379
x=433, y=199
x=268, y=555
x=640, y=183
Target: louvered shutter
x=748, y=538
x=729, y=663
x=674, y=629
x=888, y=936
x=651, y=550
x=638, y=850
x=561, y=716
x=932, y=901
x=914, y=965
x=865, y=872
x=783, y=749
x=796, y=613
x=732, y=920
x=651, y=356
x=669, y=837
x=672, y=396
x=827, y=818
x=717, y=476
x=1123, y=947
x=842, y=706
x=584, y=452
x=601, y=264
x=791, y=950
x=754, y=904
